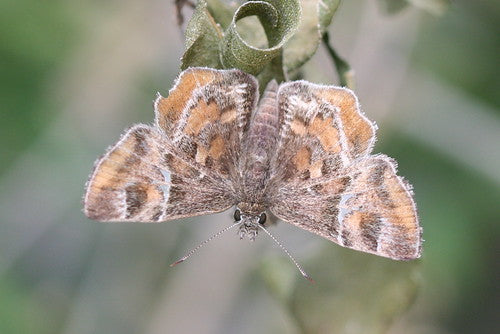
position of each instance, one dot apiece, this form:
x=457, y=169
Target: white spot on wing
x=344, y=209
x=344, y=147
x=380, y=239
x=239, y=89
x=165, y=187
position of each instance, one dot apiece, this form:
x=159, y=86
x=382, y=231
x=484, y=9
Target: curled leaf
x=222, y=11
x=279, y=20
x=266, y=38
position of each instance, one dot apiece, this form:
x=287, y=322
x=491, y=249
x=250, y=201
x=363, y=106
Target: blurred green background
x=74, y=74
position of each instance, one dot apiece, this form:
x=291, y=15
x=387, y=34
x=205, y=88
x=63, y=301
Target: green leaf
x=203, y=36
x=316, y=17
x=222, y=11
x=279, y=20
x=326, y=10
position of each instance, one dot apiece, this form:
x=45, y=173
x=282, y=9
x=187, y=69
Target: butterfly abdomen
x=261, y=139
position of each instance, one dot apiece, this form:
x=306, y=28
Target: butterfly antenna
x=192, y=251
x=302, y=271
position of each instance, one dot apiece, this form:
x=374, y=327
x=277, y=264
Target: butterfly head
x=249, y=223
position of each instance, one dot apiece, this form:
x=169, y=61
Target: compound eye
x=262, y=218
x=237, y=215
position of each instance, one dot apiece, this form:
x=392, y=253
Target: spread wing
x=187, y=164
x=327, y=182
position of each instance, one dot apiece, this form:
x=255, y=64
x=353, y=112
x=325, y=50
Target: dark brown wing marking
x=206, y=115
x=138, y=179
x=369, y=209
x=325, y=181
x=323, y=131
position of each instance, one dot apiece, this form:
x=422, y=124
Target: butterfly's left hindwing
x=138, y=179
x=369, y=209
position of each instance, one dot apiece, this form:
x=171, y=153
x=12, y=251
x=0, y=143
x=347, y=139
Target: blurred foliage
x=461, y=230
x=464, y=43
x=16, y=298
x=352, y=293
x=34, y=39
x=60, y=273
x=436, y=7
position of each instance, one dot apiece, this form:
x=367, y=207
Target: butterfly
x=301, y=152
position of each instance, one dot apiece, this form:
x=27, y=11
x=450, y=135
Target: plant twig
x=344, y=70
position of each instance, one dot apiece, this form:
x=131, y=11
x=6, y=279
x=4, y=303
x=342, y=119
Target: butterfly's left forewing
x=324, y=180
x=322, y=132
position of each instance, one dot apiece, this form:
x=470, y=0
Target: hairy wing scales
x=187, y=163
x=369, y=209
x=326, y=182
x=138, y=179
x=323, y=131
x=207, y=120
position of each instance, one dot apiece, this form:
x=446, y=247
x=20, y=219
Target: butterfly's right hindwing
x=139, y=180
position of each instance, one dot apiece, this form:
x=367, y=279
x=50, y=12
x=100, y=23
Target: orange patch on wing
x=154, y=193
x=358, y=129
x=170, y=108
x=323, y=129
x=215, y=150
x=217, y=147
x=326, y=133
x=403, y=213
x=302, y=159
x=110, y=172
x=353, y=221
x=228, y=116
x=200, y=116
x=201, y=155
x=298, y=127
x=315, y=169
